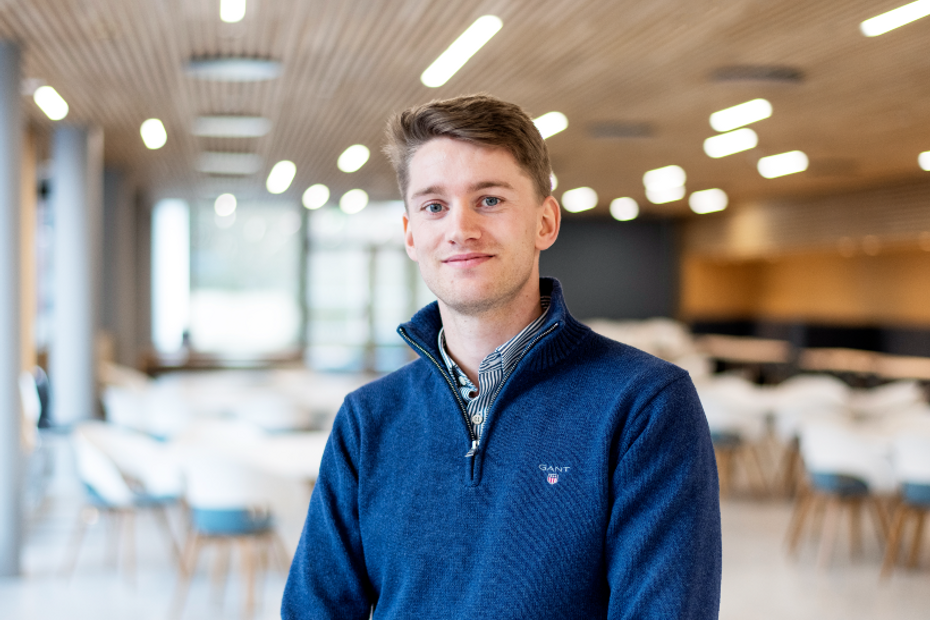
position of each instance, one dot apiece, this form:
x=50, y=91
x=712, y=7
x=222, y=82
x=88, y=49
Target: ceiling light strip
x=880, y=24
x=463, y=48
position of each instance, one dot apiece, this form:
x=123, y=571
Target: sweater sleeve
x=328, y=578
x=663, y=541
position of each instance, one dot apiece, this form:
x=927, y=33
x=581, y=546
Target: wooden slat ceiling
x=859, y=113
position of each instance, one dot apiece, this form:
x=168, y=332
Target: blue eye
x=492, y=201
x=434, y=207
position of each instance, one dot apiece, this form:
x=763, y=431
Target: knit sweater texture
x=593, y=493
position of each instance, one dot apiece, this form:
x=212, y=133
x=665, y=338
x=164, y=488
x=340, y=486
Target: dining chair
x=911, y=459
x=846, y=471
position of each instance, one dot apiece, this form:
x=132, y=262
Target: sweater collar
x=561, y=331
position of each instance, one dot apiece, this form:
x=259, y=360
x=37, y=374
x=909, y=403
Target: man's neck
x=470, y=338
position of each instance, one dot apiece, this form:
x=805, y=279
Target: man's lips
x=467, y=260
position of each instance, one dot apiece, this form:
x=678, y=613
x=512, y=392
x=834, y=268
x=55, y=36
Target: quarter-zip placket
x=463, y=407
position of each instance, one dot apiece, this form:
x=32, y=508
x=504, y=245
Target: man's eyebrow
x=486, y=184
x=480, y=185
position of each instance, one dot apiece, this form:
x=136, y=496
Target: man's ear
x=550, y=219
x=408, y=239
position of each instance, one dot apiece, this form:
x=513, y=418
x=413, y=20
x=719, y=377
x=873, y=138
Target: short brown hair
x=480, y=119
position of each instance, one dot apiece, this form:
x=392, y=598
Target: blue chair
x=911, y=458
x=229, y=509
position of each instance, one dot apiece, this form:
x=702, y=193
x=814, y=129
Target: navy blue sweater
x=593, y=493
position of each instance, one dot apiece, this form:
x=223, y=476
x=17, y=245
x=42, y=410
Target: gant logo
x=552, y=472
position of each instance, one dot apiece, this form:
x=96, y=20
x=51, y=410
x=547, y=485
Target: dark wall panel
x=616, y=270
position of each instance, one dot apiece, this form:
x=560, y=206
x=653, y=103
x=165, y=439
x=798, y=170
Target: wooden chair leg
x=161, y=515
x=855, y=526
x=819, y=514
x=802, y=507
x=760, y=470
x=129, y=542
x=830, y=528
x=86, y=516
x=724, y=469
x=879, y=519
x=248, y=575
x=918, y=538
x=894, y=538
x=220, y=572
x=185, y=573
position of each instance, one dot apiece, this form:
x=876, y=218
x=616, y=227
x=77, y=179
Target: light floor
x=760, y=581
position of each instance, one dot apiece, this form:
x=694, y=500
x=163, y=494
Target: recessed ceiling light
x=708, y=201
x=579, y=199
x=553, y=181
x=663, y=195
x=224, y=205
x=234, y=69
x=550, y=124
x=353, y=201
x=232, y=11
x=665, y=177
x=880, y=24
x=731, y=142
x=741, y=114
x=231, y=126
x=624, y=209
x=153, y=134
x=463, y=48
x=50, y=102
x=784, y=163
x=315, y=196
x=281, y=176
x=353, y=158
x=229, y=163
x=923, y=160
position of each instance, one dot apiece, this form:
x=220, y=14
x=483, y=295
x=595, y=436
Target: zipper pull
x=474, y=448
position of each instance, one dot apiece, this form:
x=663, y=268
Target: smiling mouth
x=467, y=260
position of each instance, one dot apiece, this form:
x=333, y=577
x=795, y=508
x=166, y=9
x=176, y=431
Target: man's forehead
x=438, y=151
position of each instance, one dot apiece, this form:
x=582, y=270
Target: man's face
x=475, y=225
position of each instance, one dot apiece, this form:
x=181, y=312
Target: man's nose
x=464, y=223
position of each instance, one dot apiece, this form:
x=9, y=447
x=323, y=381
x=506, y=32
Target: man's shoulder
x=393, y=385
x=626, y=360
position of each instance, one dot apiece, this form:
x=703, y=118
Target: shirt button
x=477, y=419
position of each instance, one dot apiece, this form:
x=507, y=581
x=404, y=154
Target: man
x=523, y=466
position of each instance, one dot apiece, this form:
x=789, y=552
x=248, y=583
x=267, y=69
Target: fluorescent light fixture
x=923, y=160
x=579, y=199
x=624, y=209
x=315, y=196
x=784, y=163
x=280, y=177
x=234, y=69
x=708, y=201
x=463, y=48
x=895, y=18
x=553, y=181
x=665, y=177
x=661, y=195
x=353, y=158
x=231, y=126
x=153, y=134
x=551, y=123
x=225, y=205
x=213, y=162
x=232, y=11
x=50, y=102
x=353, y=201
x=741, y=114
x=731, y=142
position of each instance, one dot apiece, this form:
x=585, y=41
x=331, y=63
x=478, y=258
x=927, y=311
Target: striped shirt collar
x=500, y=362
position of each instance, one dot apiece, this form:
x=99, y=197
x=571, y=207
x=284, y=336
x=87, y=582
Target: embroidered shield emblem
x=552, y=478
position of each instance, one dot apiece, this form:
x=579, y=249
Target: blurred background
x=201, y=254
